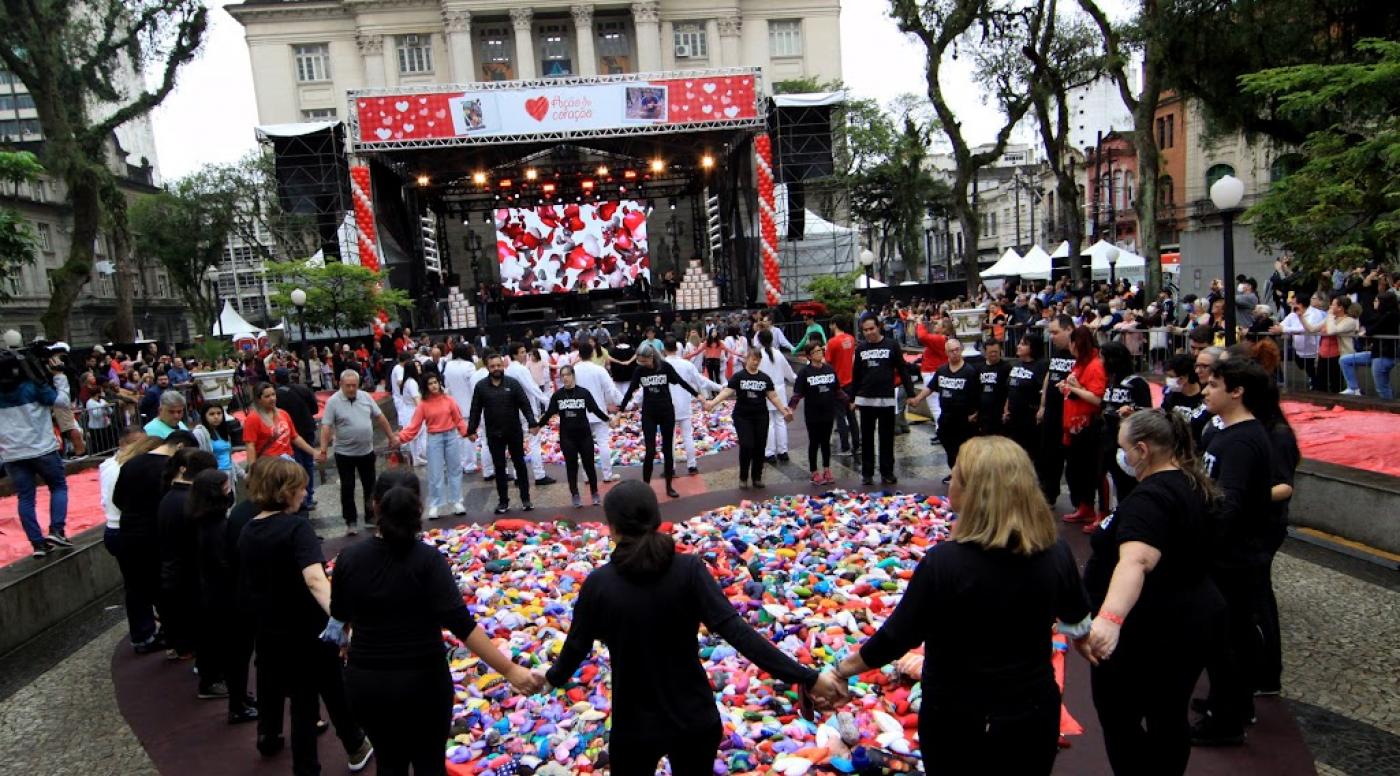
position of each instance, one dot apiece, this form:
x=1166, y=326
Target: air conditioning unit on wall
x=682, y=51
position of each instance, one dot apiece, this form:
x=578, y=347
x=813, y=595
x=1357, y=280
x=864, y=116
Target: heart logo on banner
x=537, y=108
x=408, y=128
x=731, y=111
x=442, y=114
x=383, y=134
x=430, y=122
x=709, y=88
x=422, y=100
x=706, y=108
x=388, y=121
x=422, y=111
x=401, y=106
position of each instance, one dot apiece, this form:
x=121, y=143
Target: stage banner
x=544, y=108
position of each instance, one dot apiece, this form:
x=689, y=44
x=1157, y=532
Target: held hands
x=525, y=681
x=787, y=414
x=471, y=437
x=321, y=455
x=1101, y=642
x=830, y=692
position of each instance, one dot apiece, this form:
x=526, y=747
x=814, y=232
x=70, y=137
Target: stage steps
x=697, y=290
x=461, y=313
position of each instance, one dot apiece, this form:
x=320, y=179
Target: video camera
x=18, y=365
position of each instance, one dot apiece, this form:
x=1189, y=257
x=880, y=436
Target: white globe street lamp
x=1112, y=256
x=299, y=300
x=1227, y=193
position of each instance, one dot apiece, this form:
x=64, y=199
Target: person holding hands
x=347, y=429
x=573, y=404
x=753, y=391
x=445, y=428
x=502, y=401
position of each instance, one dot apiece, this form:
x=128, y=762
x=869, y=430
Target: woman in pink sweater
x=445, y=428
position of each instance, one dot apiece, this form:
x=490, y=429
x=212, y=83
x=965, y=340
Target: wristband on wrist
x=1111, y=617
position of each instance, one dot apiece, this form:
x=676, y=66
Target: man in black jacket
x=503, y=401
x=301, y=405
x=878, y=366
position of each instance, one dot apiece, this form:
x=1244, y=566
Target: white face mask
x=1124, y=465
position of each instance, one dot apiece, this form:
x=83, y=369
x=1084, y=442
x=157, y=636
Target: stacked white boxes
x=461, y=313
x=697, y=290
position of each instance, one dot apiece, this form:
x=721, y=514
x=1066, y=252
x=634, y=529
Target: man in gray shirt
x=349, y=419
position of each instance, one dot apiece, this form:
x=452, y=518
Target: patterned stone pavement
x=58, y=714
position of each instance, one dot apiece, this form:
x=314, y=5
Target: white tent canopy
x=1006, y=265
x=231, y=324
x=873, y=282
x=1035, y=264
x=1128, y=263
x=809, y=99
x=1061, y=252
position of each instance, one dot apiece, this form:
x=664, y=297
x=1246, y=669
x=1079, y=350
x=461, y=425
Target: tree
x=996, y=32
x=1065, y=60
x=339, y=297
x=19, y=245
x=72, y=57
x=807, y=85
x=185, y=230
x=1341, y=208
x=837, y=292
x=259, y=221
x=1146, y=33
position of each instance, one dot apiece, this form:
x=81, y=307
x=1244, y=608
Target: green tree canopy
x=1341, y=208
x=19, y=245
x=339, y=297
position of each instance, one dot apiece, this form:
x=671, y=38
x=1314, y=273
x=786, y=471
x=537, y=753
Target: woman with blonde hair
x=990, y=706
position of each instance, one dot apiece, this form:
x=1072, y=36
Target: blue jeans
x=444, y=468
x=25, y=473
x=1350, y=362
x=1380, y=374
x=308, y=462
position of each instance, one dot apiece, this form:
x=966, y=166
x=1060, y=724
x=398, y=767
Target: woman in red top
x=445, y=428
x=1083, y=390
x=268, y=431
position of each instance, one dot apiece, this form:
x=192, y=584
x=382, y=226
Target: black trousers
x=1270, y=673
x=819, y=440
x=348, y=467
x=1023, y=431
x=406, y=712
x=1236, y=655
x=1309, y=367
x=877, y=421
x=847, y=427
x=308, y=672
x=954, y=429
x=1143, y=695
x=139, y=561
x=712, y=369
x=690, y=754
x=989, y=421
x=665, y=425
x=1082, y=462
x=1050, y=457
x=577, y=444
x=1022, y=740
x=1329, y=375
x=514, y=444
x=752, y=434
x=227, y=637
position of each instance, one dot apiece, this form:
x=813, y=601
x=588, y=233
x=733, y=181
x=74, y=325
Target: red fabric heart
x=537, y=108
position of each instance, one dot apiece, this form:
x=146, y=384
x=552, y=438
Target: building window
x=1166, y=131
x=313, y=61
x=1215, y=172
x=318, y=114
x=496, y=53
x=45, y=237
x=415, y=54
x=1284, y=166
x=162, y=285
x=691, y=42
x=614, y=50
x=785, y=38
x=16, y=129
x=13, y=102
x=555, y=59
x=1166, y=193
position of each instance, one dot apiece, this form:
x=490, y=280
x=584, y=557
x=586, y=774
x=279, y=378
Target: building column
x=668, y=45
x=730, y=28
x=646, y=17
x=372, y=54
x=712, y=43
x=523, y=19
x=391, y=61
x=583, y=33
x=458, y=24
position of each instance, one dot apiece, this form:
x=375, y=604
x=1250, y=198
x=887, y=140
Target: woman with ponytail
x=1082, y=423
x=647, y=606
x=1149, y=581
x=397, y=594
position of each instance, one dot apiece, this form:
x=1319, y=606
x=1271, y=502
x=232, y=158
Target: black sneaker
x=578, y=502
x=41, y=551
x=502, y=508
x=57, y=539
x=244, y=713
x=488, y=477
x=694, y=470
x=596, y=500
x=545, y=480
x=759, y=484
x=212, y=691
x=269, y=746
x=867, y=481
x=889, y=480
x=360, y=757
x=528, y=507
x=352, y=529
x=783, y=457
x=1211, y=732
x=670, y=491
x=743, y=483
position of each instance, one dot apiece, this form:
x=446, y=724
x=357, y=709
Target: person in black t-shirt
x=1239, y=457
x=1183, y=394
x=817, y=383
x=1024, y=383
x=1286, y=457
x=1202, y=418
x=301, y=406
x=1157, y=608
x=994, y=376
x=1050, y=457
x=959, y=393
x=1127, y=393
x=646, y=605
x=655, y=377
x=223, y=627
x=396, y=595
x=753, y=390
x=283, y=577
x=179, y=567
x=572, y=404
x=990, y=705
x=877, y=369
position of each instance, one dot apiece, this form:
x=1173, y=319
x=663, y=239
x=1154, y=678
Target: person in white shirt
x=396, y=389
x=681, y=399
x=520, y=370
x=1304, y=343
x=780, y=340
x=457, y=381
x=735, y=347
x=596, y=380
x=773, y=363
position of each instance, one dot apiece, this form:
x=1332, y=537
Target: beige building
x=306, y=54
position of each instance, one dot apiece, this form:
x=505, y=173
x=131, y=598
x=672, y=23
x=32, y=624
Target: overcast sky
x=210, y=116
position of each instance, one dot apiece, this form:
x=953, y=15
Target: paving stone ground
x=58, y=713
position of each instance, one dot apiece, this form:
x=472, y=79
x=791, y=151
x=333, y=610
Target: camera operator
x=61, y=376
x=28, y=445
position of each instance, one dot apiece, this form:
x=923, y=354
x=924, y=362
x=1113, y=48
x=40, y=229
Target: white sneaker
x=432, y=513
x=614, y=477
x=470, y=470
x=458, y=508
x=1350, y=392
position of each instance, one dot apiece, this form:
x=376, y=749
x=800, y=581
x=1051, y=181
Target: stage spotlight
x=531, y=174
x=504, y=183
x=486, y=217
x=479, y=178
x=422, y=180
x=630, y=174
x=658, y=165
x=547, y=188
x=622, y=189
x=673, y=204
x=586, y=185
x=707, y=161
x=602, y=171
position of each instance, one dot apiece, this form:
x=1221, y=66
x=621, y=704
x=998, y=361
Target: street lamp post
x=1227, y=193
x=928, y=244
x=212, y=276
x=867, y=259
x=1112, y=256
x=299, y=301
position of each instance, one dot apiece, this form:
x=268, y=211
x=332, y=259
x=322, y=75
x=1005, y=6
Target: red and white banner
x=568, y=107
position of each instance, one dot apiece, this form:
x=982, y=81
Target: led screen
x=559, y=249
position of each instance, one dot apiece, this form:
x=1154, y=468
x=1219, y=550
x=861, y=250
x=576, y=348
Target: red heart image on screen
x=537, y=108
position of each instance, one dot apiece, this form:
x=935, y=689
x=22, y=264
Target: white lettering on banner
x=572, y=404
x=753, y=385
